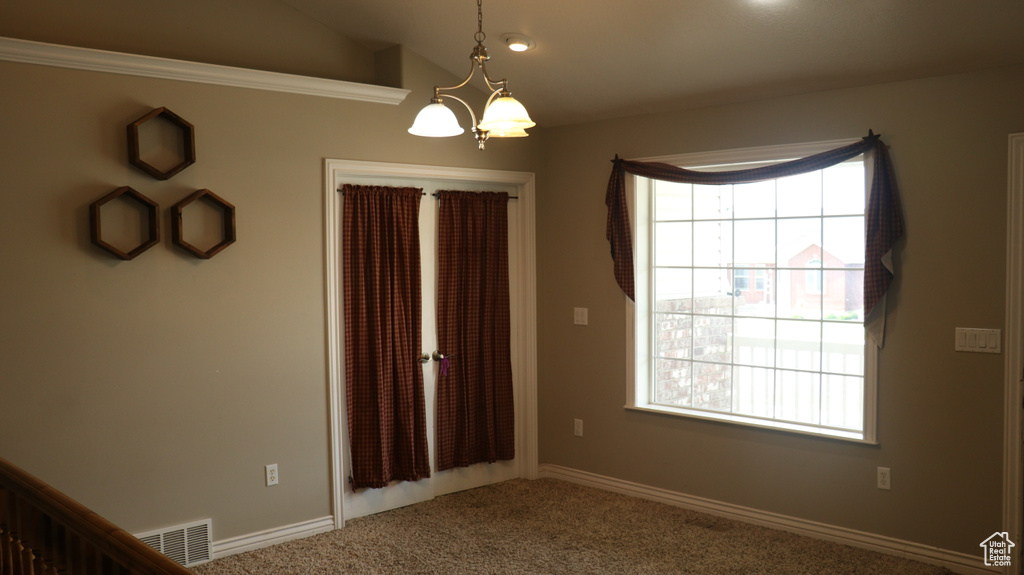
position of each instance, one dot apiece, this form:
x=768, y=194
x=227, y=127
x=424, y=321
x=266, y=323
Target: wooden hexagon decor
x=152, y=225
x=188, y=151
x=228, y=215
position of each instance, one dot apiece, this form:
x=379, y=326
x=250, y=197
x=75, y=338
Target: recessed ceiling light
x=518, y=42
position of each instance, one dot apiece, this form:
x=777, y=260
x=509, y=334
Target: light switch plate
x=978, y=340
x=579, y=315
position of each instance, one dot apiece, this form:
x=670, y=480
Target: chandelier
x=503, y=117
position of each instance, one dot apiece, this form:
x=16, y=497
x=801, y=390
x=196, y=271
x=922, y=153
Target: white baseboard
x=952, y=560
x=270, y=537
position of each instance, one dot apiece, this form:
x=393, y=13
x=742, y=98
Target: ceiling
x=598, y=59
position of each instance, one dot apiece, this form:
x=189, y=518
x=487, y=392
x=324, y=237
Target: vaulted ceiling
x=606, y=58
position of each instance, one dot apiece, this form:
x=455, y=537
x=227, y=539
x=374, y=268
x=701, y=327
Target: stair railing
x=45, y=532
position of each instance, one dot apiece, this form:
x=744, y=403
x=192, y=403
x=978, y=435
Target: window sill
x=746, y=421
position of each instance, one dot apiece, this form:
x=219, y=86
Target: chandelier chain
x=479, y=36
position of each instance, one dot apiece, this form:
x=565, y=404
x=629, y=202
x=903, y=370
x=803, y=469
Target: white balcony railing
x=798, y=381
x=821, y=383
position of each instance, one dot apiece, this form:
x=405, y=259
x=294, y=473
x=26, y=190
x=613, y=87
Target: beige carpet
x=552, y=527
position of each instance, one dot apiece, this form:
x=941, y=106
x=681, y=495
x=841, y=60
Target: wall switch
x=579, y=315
x=271, y=474
x=577, y=428
x=978, y=340
x=884, y=478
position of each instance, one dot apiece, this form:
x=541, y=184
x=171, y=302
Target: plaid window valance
x=883, y=218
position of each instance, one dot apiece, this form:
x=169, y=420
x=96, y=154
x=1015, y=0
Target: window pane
x=712, y=339
x=672, y=382
x=854, y=309
x=712, y=202
x=672, y=335
x=713, y=244
x=835, y=295
x=755, y=200
x=842, y=402
x=800, y=195
x=754, y=391
x=673, y=289
x=844, y=184
x=673, y=244
x=799, y=241
x=712, y=386
x=760, y=298
x=798, y=396
x=754, y=342
x=755, y=242
x=673, y=201
x=843, y=239
x=797, y=345
x=712, y=292
x=843, y=348
x=795, y=300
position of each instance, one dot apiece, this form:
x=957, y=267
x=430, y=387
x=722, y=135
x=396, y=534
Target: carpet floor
x=552, y=527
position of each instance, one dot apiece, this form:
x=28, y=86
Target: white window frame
x=638, y=358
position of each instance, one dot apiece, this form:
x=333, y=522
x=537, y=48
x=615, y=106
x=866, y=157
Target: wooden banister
x=45, y=532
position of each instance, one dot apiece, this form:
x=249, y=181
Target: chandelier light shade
x=505, y=113
x=510, y=133
x=503, y=117
x=435, y=120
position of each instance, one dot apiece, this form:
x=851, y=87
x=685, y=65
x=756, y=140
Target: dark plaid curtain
x=883, y=220
x=475, y=418
x=383, y=381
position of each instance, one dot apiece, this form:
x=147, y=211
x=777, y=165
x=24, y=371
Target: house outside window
x=749, y=298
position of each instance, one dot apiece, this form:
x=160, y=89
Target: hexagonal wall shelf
x=188, y=137
x=228, y=215
x=152, y=225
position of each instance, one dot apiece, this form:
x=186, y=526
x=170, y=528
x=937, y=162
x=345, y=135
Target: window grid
x=776, y=369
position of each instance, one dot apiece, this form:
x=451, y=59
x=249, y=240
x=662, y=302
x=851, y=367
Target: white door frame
x=525, y=305
x=1013, y=481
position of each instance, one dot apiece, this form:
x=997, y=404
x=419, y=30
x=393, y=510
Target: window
x=749, y=297
x=812, y=277
x=741, y=280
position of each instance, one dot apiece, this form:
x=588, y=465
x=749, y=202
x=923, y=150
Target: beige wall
x=155, y=390
x=258, y=34
x=940, y=412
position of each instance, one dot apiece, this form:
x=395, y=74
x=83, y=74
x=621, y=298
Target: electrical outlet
x=577, y=428
x=884, y=478
x=271, y=474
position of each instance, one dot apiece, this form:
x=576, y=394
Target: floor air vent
x=187, y=544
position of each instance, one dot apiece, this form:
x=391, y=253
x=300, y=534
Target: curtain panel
x=883, y=218
x=382, y=307
x=475, y=414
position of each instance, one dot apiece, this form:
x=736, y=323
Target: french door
x=349, y=503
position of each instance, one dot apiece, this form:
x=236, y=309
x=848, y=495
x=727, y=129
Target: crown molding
x=30, y=52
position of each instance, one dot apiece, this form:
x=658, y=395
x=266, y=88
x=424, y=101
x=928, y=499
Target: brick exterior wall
x=677, y=380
